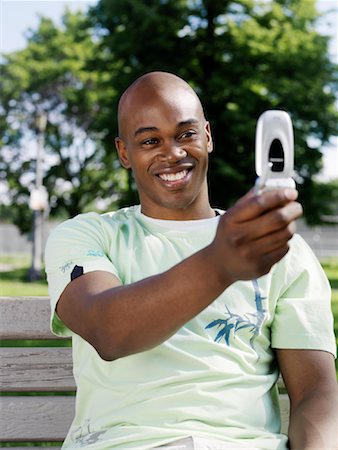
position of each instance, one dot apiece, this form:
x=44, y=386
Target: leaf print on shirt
x=65, y=267
x=233, y=323
x=83, y=435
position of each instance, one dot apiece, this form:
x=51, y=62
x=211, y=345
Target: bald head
x=153, y=86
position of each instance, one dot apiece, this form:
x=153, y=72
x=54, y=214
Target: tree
x=56, y=75
x=242, y=57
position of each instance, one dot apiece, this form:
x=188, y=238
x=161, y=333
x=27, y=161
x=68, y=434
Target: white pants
x=193, y=443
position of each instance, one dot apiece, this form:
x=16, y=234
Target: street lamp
x=38, y=200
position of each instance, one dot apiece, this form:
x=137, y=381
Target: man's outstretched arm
x=121, y=320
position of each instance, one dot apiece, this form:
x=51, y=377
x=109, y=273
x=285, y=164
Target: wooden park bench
x=35, y=381
x=37, y=384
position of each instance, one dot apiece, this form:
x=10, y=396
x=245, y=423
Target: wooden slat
x=48, y=418
x=284, y=403
x=36, y=369
x=24, y=414
x=25, y=318
x=36, y=418
x=280, y=383
x=33, y=448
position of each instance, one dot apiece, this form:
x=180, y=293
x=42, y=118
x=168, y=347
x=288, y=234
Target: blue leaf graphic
x=217, y=322
x=227, y=333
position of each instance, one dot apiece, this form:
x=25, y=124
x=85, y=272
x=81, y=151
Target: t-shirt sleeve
x=75, y=247
x=303, y=317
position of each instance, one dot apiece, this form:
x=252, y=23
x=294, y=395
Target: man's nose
x=173, y=152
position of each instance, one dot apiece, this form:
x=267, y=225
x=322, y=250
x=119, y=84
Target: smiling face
x=165, y=140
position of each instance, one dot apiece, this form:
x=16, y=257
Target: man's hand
x=253, y=235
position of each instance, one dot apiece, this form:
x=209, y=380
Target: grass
x=14, y=281
x=331, y=269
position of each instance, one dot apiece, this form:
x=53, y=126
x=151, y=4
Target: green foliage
x=242, y=57
x=56, y=75
x=323, y=203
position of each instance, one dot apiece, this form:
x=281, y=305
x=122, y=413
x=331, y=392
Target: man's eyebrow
x=179, y=125
x=187, y=122
x=144, y=130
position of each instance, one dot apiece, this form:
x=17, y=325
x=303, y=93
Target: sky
x=16, y=17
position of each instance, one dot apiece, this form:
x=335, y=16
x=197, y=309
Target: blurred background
x=64, y=65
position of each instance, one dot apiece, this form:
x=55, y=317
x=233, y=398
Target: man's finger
x=252, y=205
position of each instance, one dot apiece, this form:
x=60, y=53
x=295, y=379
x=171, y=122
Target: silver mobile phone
x=274, y=151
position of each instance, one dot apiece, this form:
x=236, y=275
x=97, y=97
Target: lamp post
x=38, y=201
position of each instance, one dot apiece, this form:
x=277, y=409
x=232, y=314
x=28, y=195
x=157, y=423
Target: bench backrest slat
x=284, y=403
x=34, y=448
x=36, y=369
x=25, y=370
x=36, y=418
x=25, y=318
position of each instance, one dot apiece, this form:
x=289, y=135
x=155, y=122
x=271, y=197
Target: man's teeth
x=173, y=176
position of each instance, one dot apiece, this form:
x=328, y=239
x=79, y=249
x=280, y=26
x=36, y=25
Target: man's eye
x=188, y=134
x=150, y=141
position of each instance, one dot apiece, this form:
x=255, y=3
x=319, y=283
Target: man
x=180, y=314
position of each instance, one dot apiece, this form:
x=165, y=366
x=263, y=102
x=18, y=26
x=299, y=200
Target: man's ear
x=122, y=153
x=210, y=145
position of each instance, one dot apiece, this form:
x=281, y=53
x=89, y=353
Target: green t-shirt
x=215, y=378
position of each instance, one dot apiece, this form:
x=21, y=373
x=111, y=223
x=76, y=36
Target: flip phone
x=274, y=152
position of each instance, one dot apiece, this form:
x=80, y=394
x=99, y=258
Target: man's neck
x=180, y=214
